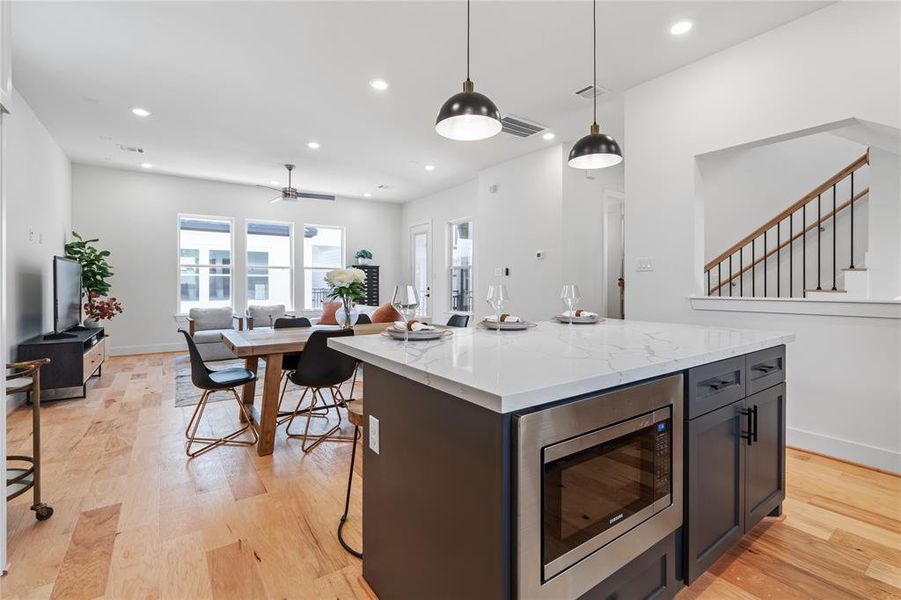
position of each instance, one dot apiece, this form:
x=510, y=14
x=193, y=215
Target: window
x=461, y=266
x=270, y=263
x=205, y=262
x=323, y=250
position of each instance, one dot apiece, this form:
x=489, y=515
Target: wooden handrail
x=863, y=160
x=817, y=223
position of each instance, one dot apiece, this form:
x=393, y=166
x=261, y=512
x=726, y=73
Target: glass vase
x=347, y=315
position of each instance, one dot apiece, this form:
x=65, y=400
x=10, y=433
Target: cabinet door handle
x=754, y=417
x=749, y=413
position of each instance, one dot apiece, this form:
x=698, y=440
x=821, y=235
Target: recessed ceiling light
x=313, y=145
x=367, y=195
x=680, y=27
x=378, y=84
x=549, y=136
x=430, y=167
x=140, y=112
x=147, y=165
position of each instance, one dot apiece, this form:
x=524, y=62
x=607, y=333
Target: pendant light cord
x=467, y=40
x=594, y=55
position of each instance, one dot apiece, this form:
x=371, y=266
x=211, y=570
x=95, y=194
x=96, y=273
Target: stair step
x=827, y=291
x=854, y=269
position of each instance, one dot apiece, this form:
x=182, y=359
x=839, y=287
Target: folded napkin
x=578, y=313
x=412, y=325
x=505, y=318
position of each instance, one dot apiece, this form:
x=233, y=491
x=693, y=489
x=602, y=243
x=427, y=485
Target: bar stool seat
x=355, y=416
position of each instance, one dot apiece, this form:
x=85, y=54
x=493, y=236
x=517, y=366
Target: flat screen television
x=66, y=294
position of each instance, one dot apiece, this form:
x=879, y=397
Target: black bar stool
x=320, y=368
x=211, y=381
x=355, y=416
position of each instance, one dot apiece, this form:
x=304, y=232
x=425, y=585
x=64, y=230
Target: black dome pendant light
x=468, y=115
x=596, y=150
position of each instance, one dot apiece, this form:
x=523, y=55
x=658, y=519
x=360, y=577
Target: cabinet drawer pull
x=718, y=385
x=764, y=368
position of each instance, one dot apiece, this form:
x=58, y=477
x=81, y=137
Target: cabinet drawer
x=765, y=369
x=93, y=358
x=714, y=385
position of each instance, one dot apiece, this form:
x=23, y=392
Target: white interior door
x=614, y=216
x=421, y=263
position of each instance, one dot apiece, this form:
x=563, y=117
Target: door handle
x=754, y=410
x=749, y=413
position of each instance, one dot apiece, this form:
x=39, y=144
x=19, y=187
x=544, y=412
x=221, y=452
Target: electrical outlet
x=373, y=434
x=644, y=264
x=498, y=272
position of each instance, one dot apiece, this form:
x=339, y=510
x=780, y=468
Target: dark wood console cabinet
x=73, y=360
x=734, y=453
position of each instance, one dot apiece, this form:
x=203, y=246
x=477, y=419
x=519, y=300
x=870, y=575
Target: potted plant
x=95, y=271
x=346, y=285
x=363, y=256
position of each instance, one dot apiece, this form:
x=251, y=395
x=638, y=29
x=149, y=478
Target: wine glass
x=498, y=296
x=405, y=300
x=571, y=297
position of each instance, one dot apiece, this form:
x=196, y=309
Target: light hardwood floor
x=135, y=519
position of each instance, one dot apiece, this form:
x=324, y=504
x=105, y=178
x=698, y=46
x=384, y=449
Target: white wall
x=135, y=216
x=744, y=188
x=539, y=204
x=38, y=211
x=790, y=79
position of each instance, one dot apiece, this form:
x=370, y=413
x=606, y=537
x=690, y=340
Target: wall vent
x=590, y=92
x=520, y=127
x=125, y=148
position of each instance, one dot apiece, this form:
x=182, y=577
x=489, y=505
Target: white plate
x=428, y=334
x=578, y=320
x=505, y=326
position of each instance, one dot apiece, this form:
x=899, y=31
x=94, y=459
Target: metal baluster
x=764, y=264
x=741, y=276
x=804, y=251
x=778, y=259
x=753, y=270
x=791, y=258
x=730, y=275
x=819, y=249
x=719, y=278
x=834, y=235
x=852, y=219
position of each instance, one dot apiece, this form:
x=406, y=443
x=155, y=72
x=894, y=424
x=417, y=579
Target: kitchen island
x=566, y=461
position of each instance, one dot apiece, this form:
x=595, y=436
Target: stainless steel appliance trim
x=605, y=434
x=544, y=428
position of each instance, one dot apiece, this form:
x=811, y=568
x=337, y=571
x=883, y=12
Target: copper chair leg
x=210, y=443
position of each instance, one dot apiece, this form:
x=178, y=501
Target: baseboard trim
x=145, y=349
x=881, y=459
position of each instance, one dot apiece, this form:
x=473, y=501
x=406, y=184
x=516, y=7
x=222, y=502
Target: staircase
x=797, y=253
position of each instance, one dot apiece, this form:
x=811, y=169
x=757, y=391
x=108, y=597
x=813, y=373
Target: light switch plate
x=373, y=434
x=498, y=272
x=644, y=264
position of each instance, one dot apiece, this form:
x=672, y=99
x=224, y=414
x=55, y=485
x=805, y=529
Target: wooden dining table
x=271, y=345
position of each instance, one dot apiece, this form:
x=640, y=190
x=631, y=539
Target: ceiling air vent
x=520, y=127
x=125, y=148
x=590, y=92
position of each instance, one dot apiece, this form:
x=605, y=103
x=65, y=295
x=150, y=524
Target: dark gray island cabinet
x=604, y=461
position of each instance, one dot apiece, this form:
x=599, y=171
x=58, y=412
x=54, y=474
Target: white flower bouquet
x=346, y=285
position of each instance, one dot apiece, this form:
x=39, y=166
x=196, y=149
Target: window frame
x=178, y=266
x=291, y=267
x=343, y=264
x=451, y=268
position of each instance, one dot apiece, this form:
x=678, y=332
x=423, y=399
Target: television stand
x=59, y=336
x=75, y=356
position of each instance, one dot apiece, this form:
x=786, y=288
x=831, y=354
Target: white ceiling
x=238, y=88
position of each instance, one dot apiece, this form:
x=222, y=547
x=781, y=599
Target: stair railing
x=736, y=253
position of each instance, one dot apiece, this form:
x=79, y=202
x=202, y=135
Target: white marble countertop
x=513, y=370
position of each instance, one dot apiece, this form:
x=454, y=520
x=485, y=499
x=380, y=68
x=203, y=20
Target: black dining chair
x=363, y=319
x=458, y=321
x=320, y=368
x=211, y=381
x=290, y=360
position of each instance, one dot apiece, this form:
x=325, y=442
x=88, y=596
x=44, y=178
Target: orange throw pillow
x=385, y=314
x=328, y=313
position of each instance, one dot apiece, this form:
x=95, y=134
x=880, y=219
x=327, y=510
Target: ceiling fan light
x=468, y=116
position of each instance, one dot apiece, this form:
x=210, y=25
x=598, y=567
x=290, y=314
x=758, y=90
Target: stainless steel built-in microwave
x=599, y=480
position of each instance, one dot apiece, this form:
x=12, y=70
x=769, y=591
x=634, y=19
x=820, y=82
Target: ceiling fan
x=291, y=193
